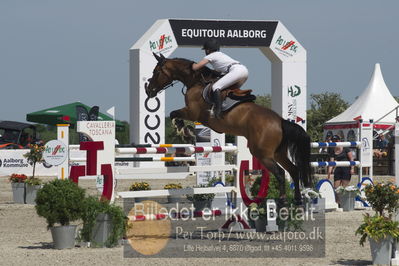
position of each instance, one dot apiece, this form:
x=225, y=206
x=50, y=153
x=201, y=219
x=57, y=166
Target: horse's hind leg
x=284, y=161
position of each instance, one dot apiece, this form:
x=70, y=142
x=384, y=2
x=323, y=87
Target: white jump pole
x=63, y=136
x=366, y=150
x=395, y=260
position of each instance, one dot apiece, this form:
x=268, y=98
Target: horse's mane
x=205, y=72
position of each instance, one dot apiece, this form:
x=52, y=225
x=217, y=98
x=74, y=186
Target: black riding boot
x=217, y=103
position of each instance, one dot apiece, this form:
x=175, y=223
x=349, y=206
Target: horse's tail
x=298, y=143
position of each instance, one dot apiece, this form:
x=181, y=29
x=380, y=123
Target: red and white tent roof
x=375, y=102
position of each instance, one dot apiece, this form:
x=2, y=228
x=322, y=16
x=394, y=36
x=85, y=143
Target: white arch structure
x=287, y=56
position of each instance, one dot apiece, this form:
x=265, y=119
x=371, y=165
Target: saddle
x=231, y=96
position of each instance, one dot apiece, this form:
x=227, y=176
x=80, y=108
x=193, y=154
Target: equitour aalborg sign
x=287, y=55
x=229, y=33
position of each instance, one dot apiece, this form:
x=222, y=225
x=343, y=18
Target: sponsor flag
x=82, y=115
x=111, y=112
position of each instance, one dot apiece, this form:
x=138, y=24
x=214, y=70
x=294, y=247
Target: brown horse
x=269, y=135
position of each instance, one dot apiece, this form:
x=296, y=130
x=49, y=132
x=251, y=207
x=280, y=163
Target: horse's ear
x=162, y=57
x=158, y=58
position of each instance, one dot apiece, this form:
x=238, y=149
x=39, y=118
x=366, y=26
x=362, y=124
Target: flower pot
x=102, y=230
x=347, y=201
x=200, y=205
x=174, y=199
x=63, y=236
x=260, y=224
x=381, y=251
x=31, y=192
x=18, y=192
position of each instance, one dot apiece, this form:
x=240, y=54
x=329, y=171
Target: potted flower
x=139, y=186
x=60, y=203
x=35, y=155
x=33, y=184
x=230, y=178
x=258, y=214
x=18, y=187
x=201, y=201
x=104, y=224
x=346, y=197
x=173, y=186
x=380, y=229
x=383, y=198
x=312, y=199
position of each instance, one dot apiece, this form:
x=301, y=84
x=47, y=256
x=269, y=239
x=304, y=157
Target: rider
x=234, y=72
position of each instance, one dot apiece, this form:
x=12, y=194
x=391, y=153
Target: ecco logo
x=148, y=137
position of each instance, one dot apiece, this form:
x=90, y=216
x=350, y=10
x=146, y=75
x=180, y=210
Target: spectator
x=381, y=146
x=342, y=175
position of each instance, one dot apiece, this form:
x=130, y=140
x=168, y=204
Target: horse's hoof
x=178, y=123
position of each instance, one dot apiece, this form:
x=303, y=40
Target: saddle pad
x=228, y=103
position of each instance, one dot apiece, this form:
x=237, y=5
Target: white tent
x=374, y=103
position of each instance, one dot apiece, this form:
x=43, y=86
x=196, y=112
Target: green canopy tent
x=66, y=114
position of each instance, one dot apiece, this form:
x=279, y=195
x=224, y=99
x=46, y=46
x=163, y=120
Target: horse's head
x=161, y=77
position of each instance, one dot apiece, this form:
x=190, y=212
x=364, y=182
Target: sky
x=54, y=52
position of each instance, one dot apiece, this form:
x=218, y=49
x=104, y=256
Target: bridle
x=169, y=77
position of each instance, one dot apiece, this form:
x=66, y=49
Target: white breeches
x=237, y=74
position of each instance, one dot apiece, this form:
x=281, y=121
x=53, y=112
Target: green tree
x=46, y=132
x=265, y=101
x=123, y=135
x=323, y=107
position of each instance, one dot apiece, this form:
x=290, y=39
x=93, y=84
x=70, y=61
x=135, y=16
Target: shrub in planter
x=33, y=184
x=104, y=224
x=140, y=186
x=380, y=229
x=201, y=201
x=383, y=197
x=173, y=198
x=60, y=202
x=230, y=179
x=346, y=196
x=18, y=187
x=35, y=155
x=258, y=215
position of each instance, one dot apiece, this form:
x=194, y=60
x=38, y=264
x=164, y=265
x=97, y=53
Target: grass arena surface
x=26, y=241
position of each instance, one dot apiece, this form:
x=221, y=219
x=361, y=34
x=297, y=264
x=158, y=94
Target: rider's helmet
x=211, y=45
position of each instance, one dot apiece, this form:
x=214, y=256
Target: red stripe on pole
x=162, y=150
x=216, y=149
x=199, y=149
x=141, y=150
x=139, y=217
x=160, y=216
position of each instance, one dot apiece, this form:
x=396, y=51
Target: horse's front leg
x=177, y=117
